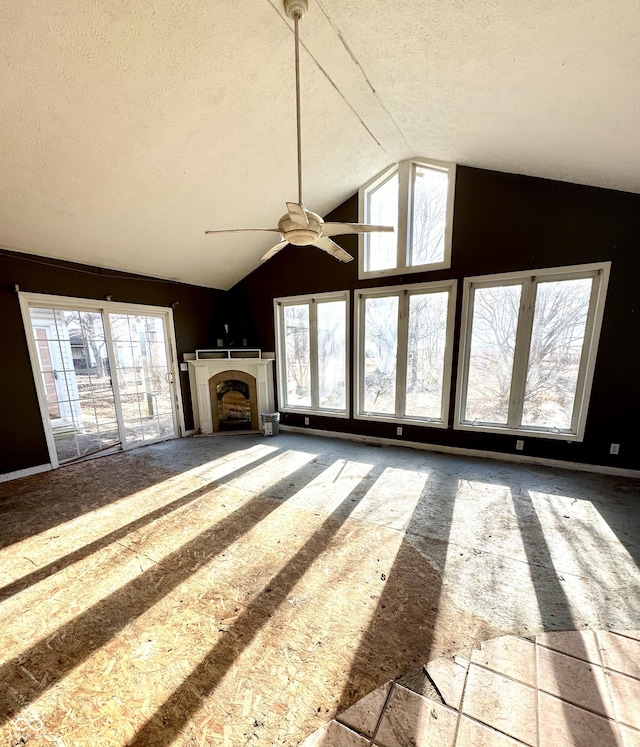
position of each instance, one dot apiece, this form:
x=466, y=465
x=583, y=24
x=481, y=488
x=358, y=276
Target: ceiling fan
x=300, y=226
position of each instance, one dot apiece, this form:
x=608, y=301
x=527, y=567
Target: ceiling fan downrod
x=296, y=9
x=299, y=226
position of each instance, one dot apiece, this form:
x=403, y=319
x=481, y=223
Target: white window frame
x=35, y=300
x=404, y=292
x=312, y=299
x=406, y=171
x=600, y=273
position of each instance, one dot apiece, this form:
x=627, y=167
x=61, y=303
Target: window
x=528, y=350
x=312, y=353
x=416, y=198
x=404, y=349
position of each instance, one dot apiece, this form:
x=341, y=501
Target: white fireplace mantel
x=201, y=371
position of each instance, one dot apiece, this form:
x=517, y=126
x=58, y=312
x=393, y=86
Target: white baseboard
x=505, y=457
x=7, y=476
x=191, y=432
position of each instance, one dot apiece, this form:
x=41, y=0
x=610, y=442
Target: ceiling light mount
x=296, y=8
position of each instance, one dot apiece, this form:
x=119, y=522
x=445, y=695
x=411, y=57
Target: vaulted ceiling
x=128, y=128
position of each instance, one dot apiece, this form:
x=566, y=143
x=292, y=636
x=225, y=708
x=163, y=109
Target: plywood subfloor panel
x=244, y=591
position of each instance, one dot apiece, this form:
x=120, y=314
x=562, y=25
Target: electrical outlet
x=519, y=445
x=306, y=421
x=614, y=449
x=184, y=366
x=399, y=430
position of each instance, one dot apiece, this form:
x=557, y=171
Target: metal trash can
x=270, y=423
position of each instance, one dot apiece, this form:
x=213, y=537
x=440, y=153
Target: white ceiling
x=129, y=127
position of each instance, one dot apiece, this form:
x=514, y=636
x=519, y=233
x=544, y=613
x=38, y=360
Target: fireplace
x=229, y=394
x=234, y=401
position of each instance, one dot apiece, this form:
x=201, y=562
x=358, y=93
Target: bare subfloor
x=232, y=591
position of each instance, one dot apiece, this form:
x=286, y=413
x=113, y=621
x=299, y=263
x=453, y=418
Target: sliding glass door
x=144, y=378
x=104, y=374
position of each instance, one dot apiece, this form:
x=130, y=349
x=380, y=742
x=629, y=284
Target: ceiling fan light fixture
x=297, y=234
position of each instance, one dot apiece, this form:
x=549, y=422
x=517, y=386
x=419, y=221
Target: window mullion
x=348, y=337
x=115, y=384
x=404, y=213
x=448, y=354
x=584, y=353
x=313, y=353
x=281, y=364
x=359, y=361
x=401, y=355
x=465, y=339
x=521, y=353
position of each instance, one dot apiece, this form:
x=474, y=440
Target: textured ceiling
x=128, y=128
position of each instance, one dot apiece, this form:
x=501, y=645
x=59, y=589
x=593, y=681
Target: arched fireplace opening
x=233, y=401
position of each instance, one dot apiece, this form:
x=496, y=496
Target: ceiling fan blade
x=239, y=230
x=329, y=246
x=338, y=229
x=274, y=250
x=297, y=214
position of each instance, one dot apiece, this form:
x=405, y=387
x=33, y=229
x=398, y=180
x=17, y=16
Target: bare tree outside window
x=380, y=351
x=87, y=338
x=312, y=338
x=404, y=359
x=382, y=209
x=426, y=354
x=297, y=357
x=558, y=320
x=559, y=324
x=429, y=215
x=88, y=326
x=142, y=368
x=493, y=342
x=414, y=196
x=331, y=355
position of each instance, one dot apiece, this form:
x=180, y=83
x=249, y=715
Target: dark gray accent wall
x=197, y=316
x=502, y=223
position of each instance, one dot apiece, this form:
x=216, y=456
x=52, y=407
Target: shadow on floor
x=168, y=721
x=121, y=532
x=51, y=659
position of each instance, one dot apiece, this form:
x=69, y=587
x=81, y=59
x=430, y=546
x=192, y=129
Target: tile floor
x=578, y=688
x=244, y=591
